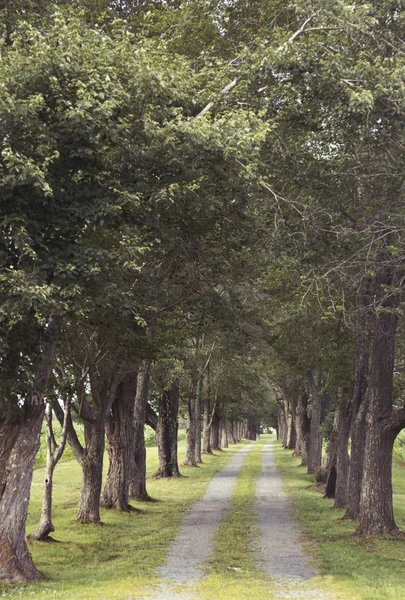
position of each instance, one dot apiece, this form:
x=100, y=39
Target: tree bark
x=53, y=455
x=224, y=433
x=300, y=413
x=291, y=436
x=332, y=455
x=137, y=487
x=215, y=428
x=315, y=437
x=207, y=417
x=342, y=453
x=121, y=440
x=190, y=458
x=166, y=432
x=105, y=379
x=92, y=470
x=198, y=431
x=376, y=514
x=358, y=425
x=20, y=430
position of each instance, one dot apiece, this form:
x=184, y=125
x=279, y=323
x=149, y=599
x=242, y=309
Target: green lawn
x=117, y=560
x=366, y=569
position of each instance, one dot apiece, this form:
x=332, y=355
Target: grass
x=117, y=560
x=232, y=571
x=354, y=568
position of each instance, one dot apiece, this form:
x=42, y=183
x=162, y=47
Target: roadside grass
x=352, y=568
x=115, y=561
x=232, y=571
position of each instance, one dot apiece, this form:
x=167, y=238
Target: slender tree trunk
x=299, y=419
x=137, y=488
x=291, y=432
x=224, y=433
x=190, y=458
x=332, y=455
x=376, y=514
x=215, y=428
x=198, y=431
x=53, y=455
x=167, y=431
x=358, y=428
x=207, y=415
x=282, y=424
x=121, y=439
x=315, y=438
x=342, y=454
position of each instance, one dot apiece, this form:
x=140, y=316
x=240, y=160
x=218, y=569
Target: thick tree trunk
x=376, y=514
x=17, y=454
x=137, y=488
x=166, y=432
x=121, y=439
x=315, y=437
x=20, y=430
x=92, y=467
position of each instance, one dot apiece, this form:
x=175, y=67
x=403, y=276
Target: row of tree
x=202, y=203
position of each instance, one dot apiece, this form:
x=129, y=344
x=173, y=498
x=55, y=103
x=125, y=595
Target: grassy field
x=118, y=559
x=366, y=569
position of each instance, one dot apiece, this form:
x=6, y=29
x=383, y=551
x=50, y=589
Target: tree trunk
x=215, y=428
x=198, y=432
x=53, y=455
x=20, y=431
x=358, y=427
x=190, y=459
x=224, y=433
x=17, y=456
x=92, y=466
x=342, y=453
x=120, y=436
x=376, y=514
x=291, y=432
x=332, y=454
x=315, y=436
x=166, y=432
x=300, y=423
x=137, y=488
x=207, y=416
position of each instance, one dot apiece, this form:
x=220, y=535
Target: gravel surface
x=279, y=549
x=193, y=544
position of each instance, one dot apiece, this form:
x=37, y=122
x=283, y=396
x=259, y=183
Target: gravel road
x=193, y=544
x=279, y=549
x=279, y=552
